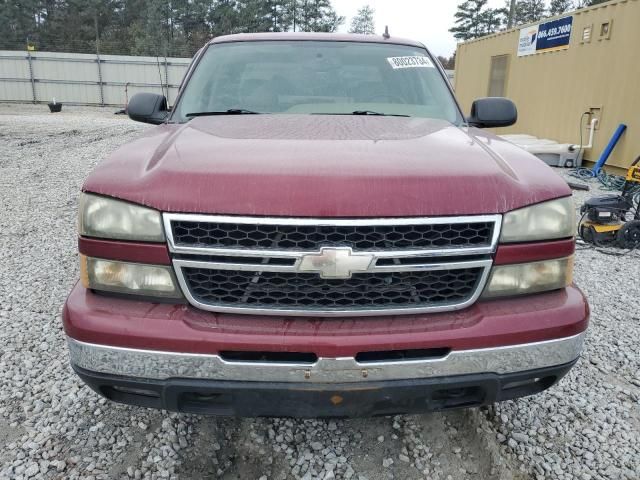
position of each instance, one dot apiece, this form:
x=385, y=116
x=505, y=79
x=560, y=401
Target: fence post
x=166, y=77
x=100, y=82
x=33, y=80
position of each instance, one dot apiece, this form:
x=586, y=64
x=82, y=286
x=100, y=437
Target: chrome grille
x=312, y=237
x=308, y=291
x=326, y=267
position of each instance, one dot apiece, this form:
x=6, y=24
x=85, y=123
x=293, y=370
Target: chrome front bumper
x=160, y=365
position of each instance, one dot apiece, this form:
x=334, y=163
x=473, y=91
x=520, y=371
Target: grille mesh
x=312, y=237
x=307, y=291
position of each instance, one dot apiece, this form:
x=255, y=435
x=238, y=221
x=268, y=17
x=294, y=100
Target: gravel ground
x=587, y=427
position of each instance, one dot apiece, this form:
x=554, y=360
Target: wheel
x=629, y=235
x=587, y=233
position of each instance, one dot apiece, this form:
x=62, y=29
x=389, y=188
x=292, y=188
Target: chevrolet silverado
x=314, y=228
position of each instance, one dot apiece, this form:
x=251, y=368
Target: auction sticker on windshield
x=410, y=62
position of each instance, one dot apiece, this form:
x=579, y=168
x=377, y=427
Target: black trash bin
x=55, y=107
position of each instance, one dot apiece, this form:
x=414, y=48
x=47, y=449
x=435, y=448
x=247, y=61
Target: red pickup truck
x=315, y=229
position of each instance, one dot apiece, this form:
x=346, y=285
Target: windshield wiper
x=366, y=112
x=371, y=112
x=231, y=111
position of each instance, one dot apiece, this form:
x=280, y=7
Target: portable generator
x=614, y=220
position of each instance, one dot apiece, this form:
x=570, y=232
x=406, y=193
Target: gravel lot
x=588, y=427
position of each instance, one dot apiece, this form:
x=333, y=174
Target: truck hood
x=324, y=166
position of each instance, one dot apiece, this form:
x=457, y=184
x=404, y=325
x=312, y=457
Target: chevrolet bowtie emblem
x=335, y=262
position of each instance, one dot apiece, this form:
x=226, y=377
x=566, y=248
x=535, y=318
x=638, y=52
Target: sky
x=427, y=21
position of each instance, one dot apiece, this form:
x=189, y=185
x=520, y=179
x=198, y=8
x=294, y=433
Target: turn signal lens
x=526, y=278
x=132, y=278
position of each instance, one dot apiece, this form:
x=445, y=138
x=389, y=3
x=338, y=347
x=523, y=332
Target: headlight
x=114, y=219
x=544, y=221
x=535, y=277
x=132, y=278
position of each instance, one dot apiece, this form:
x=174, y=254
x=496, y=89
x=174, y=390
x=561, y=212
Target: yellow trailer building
x=562, y=72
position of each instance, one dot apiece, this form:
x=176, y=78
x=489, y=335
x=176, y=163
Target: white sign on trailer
x=527, y=42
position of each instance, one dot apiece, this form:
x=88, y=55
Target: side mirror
x=148, y=108
x=493, y=112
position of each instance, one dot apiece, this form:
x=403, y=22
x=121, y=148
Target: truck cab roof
x=315, y=36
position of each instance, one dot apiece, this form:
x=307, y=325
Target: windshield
x=316, y=77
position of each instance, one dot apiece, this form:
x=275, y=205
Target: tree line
x=475, y=19
x=152, y=27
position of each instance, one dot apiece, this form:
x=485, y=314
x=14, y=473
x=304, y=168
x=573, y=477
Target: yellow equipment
x=614, y=220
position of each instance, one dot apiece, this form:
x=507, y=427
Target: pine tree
x=493, y=20
x=255, y=16
x=154, y=25
x=118, y=34
x=473, y=20
x=151, y=27
x=364, y=22
x=529, y=11
x=74, y=24
x=468, y=20
x=19, y=20
x=558, y=7
x=190, y=21
x=224, y=17
x=315, y=16
x=277, y=15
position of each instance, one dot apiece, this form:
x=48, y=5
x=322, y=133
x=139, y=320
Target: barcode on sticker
x=410, y=62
